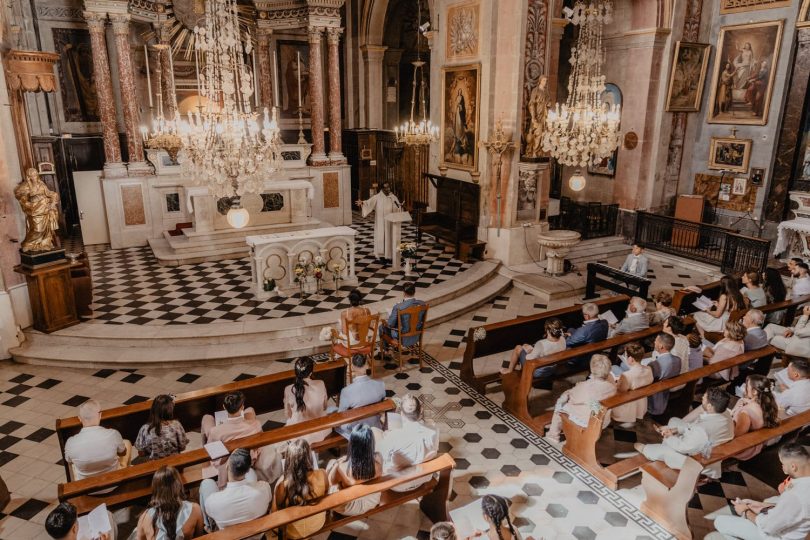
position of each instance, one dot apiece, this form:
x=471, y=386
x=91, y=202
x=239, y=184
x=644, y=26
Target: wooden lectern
x=688, y=208
x=50, y=290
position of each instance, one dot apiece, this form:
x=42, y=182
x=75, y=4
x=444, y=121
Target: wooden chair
x=365, y=328
x=412, y=314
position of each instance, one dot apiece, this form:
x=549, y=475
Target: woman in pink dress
x=306, y=398
x=756, y=410
x=730, y=346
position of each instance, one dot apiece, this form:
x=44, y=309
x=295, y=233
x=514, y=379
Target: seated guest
x=795, y=340
x=360, y=464
x=663, y=308
x=553, y=342
x=730, y=346
x=755, y=337
x=704, y=427
x=593, y=329
x=300, y=484
x=169, y=515
x=443, y=530
x=636, y=262
x=775, y=292
x=95, y=449
x=674, y=327
x=634, y=320
x=349, y=315
x=577, y=402
x=756, y=410
x=714, y=319
x=306, y=398
x=752, y=289
x=412, y=443
x=787, y=518
x=389, y=327
x=801, y=281
x=496, y=513
x=243, y=498
x=695, y=351
x=636, y=376
x=163, y=435
x=795, y=398
x=361, y=392
x=665, y=365
x=63, y=524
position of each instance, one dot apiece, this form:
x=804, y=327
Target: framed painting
x=462, y=30
x=730, y=154
x=744, y=70
x=76, y=80
x=689, y=66
x=459, y=124
x=288, y=74
x=804, y=14
x=738, y=6
x=612, y=95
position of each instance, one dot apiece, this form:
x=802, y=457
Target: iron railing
x=591, y=220
x=712, y=244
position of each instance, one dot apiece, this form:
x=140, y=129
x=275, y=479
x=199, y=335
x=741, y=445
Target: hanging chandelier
x=225, y=147
x=164, y=134
x=584, y=130
x=422, y=132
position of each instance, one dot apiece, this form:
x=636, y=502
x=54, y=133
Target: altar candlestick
x=148, y=77
x=299, y=79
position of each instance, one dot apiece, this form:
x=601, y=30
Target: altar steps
x=94, y=345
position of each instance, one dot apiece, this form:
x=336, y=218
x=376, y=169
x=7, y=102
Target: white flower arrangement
x=326, y=333
x=479, y=334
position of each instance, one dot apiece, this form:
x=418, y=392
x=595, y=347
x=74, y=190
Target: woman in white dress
x=552, y=343
x=714, y=319
x=168, y=511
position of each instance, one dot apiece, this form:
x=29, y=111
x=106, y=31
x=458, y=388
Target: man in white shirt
x=635, y=319
x=801, y=283
x=411, y=444
x=243, y=498
x=636, y=262
x=787, y=518
x=95, y=450
x=795, y=398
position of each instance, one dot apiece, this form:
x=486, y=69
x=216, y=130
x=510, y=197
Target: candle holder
x=301, y=138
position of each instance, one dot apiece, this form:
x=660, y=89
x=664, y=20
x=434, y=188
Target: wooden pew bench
x=434, y=495
x=134, y=482
x=580, y=442
x=265, y=394
x=483, y=358
x=683, y=299
x=789, y=306
x=668, y=492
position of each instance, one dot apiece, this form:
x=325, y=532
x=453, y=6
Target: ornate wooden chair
x=417, y=313
x=346, y=346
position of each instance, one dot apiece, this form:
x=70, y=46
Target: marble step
x=190, y=237
x=169, y=257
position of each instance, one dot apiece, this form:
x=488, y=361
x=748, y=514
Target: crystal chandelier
x=164, y=134
x=225, y=148
x=584, y=130
x=413, y=133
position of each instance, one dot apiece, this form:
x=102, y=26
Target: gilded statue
x=41, y=208
x=538, y=110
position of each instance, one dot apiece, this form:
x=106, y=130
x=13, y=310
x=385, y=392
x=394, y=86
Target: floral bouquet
x=301, y=271
x=318, y=267
x=408, y=249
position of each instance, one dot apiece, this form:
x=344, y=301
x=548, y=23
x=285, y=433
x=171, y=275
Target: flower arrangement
x=318, y=266
x=301, y=271
x=479, y=333
x=408, y=249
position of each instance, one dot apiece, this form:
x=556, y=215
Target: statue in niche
x=538, y=110
x=41, y=208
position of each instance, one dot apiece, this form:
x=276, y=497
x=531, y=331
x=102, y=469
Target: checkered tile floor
x=129, y=286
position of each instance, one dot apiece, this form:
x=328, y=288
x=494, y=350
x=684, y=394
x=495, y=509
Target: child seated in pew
x=637, y=376
x=553, y=342
x=578, y=402
x=730, y=346
x=496, y=513
x=360, y=464
x=757, y=409
x=169, y=511
x=163, y=435
x=300, y=484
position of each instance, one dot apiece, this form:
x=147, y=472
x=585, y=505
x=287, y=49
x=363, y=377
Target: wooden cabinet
x=50, y=290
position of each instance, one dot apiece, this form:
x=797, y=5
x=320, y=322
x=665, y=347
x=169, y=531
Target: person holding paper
x=163, y=435
x=714, y=318
x=412, y=443
x=636, y=262
x=496, y=513
x=382, y=204
x=794, y=398
x=637, y=376
x=361, y=464
x=443, y=530
x=63, y=524
x=794, y=340
x=244, y=497
x=95, y=449
x=634, y=320
x=169, y=511
x=553, y=342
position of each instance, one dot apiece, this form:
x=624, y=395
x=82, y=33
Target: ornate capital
x=264, y=33
x=333, y=35
x=95, y=20
x=314, y=33
x=31, y=71
x=120, y=23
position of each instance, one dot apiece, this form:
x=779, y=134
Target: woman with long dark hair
x=300, y=484
x=496, y=513
x=775, y=291
x=169, y=516
x=756, y=410
x=361, y=463
x=306, y=398
x=163, y=435
x=731, y=299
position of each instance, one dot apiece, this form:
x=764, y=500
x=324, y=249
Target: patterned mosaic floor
x=130, y=286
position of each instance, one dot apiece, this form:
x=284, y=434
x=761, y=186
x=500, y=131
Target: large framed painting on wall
x=744, y=70
x=459, y=124
x=612, y=95
x=689, y=66
x=288, y=78
x=78, y=90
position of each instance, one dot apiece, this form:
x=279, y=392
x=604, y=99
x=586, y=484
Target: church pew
x=264, y=394
x=683, y=299
x=434, y=495
x=668, y=491
x=580, y=442
x=790, y=307
x=504, y=336
x=134, y=482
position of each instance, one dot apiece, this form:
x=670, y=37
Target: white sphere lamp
x=577, y=181
x=237, y=216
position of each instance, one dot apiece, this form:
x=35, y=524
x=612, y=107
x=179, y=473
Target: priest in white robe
x=383, y=203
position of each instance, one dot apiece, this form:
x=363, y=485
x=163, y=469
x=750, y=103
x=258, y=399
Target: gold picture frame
x=690, y=64
x=461, y=98
x=463, y=30
x=742, y=84
x=740, y=6
x=804, y=15
x=730, y=154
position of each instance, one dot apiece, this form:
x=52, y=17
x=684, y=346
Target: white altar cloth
x=799, y=225
x=269, y=186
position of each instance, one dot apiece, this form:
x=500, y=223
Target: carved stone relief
x=534, y=70
x=462, y=30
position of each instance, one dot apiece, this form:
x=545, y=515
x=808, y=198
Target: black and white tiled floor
x=130, y=286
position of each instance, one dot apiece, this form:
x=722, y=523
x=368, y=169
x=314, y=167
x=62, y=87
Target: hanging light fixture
x=420, y=132
x=225, y=148
x=577, y=181
x=164, y=134
x=585, y=129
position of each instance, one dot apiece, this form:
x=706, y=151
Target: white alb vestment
x=382, y=205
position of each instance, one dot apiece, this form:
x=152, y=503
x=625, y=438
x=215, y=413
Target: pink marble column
x=333, y=71
x=167, y=76
x=265, y=63
x=129, y=98
x=318, y=156
x=101, y=74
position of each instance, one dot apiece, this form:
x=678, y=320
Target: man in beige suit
x=795, y=340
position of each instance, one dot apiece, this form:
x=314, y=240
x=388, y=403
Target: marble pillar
x=163, y=31
x=373, y=55
x=318, y=156
x=265, y=65
x=129, y=97
x=106, y=103
x=335, y=128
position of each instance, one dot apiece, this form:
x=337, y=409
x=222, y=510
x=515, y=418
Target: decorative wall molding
x=534, y=56
x=59, y=13
x=736, y=6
